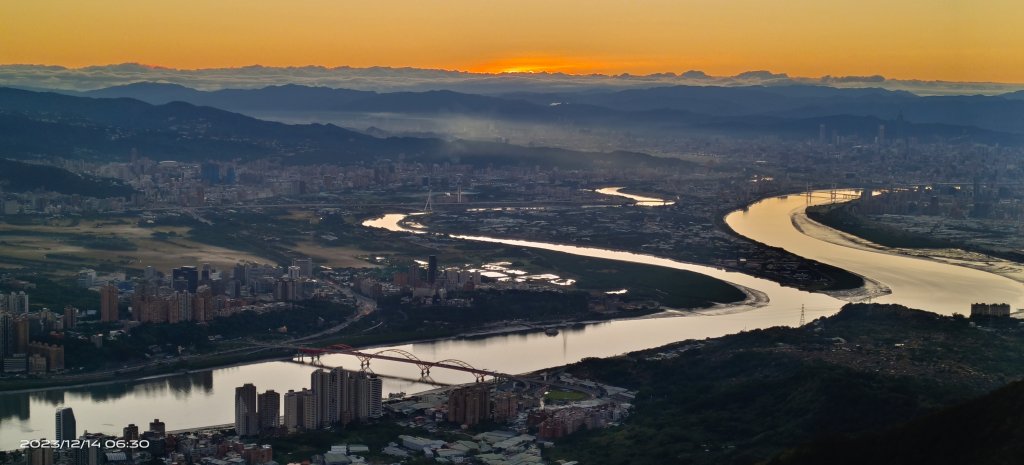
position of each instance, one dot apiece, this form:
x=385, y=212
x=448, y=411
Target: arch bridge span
x=394, y=355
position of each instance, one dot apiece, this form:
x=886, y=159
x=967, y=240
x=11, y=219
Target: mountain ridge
x=38, y=123
x=700, y=107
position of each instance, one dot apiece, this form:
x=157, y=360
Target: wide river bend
x=206, y=398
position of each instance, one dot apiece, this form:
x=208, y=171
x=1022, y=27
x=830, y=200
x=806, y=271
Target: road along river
x=206, y=398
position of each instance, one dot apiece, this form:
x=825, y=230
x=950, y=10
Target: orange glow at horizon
x=952, y=40
x=546, y=64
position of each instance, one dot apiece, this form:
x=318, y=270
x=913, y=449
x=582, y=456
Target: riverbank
x=363, y=342
x=823, y=223
x=99, y=379
x=843, y=284
x=945, y=287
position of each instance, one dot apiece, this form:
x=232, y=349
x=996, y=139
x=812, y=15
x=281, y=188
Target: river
x=206, y=398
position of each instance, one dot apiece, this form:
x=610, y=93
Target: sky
x=954, y=40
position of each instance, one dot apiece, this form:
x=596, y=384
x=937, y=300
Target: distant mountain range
x=800, y=101
x=787, y=110
x=44, y=123
x=1019, y=95
x=168, y=121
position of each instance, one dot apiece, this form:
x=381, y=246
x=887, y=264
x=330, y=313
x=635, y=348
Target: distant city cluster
x=175, y=185
x=997, y=310
x=532, y=414
x=525, y=415
x=19, y=353
x=436, y=284
x=191, y=293
x=30, y=341
x=205, y=446
x=338, y=397
x=429, y=283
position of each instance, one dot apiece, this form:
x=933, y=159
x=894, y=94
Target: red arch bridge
x=394, y=355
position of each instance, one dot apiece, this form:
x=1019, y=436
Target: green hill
x=987, y=430
x=747, y=397
x=24, y=177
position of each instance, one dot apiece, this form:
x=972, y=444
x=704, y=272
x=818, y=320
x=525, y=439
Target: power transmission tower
x=429, y=206
x=801, y=316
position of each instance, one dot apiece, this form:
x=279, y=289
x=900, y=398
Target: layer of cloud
x=413, y=79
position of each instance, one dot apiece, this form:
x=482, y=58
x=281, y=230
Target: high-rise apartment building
x=108, y=303
x=325, y=399
x=342, y=396
x=295, y=408
x=130, y=432
x=187, y=274
x=246, y=419
x=70, y=317
x=8, y=336
x=158, y=427
x=469, y=405
x=305, y=266
x=506, y=406
x=16, y=303
x=369, y=393
x=65, y=424
x=432, y=270
x=39, y=456
x=269, y=410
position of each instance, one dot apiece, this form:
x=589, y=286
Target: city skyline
x=905, y=40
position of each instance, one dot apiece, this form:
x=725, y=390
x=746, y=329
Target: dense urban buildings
x=336, y=397
x=999, y=310
x=19, y=354
x=469, y=405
